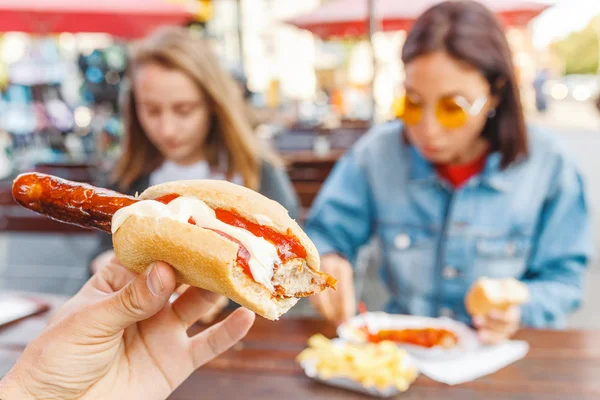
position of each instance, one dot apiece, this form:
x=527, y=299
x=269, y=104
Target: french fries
x=379, y=365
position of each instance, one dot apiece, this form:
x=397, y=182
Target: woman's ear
x=497, y=90
x=499, y=85
x=494, y=101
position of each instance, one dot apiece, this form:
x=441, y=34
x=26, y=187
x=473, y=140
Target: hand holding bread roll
x=488, y=294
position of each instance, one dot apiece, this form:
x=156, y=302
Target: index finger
x=215, y=340
x=112, y=278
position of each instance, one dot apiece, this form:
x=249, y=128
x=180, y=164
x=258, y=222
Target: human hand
x=340, y=304
x=120, y=338
x=498, y=325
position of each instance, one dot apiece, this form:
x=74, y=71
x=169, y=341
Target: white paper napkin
x=474, y=364
x=13, y=308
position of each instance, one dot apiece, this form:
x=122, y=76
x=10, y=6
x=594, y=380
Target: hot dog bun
x=227, y=195
x=487, y=294
x=205, y=259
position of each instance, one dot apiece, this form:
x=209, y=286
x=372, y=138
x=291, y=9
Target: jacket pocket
x=409, y=253
x=502, y=257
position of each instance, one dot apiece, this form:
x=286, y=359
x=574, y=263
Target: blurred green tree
x=579, y=51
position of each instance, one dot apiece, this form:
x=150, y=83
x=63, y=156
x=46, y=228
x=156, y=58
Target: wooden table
x=560, y=365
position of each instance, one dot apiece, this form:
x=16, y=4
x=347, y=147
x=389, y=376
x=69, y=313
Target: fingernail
x=478, y=320
x=153, y=281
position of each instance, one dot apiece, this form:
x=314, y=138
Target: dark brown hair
x=470, y=33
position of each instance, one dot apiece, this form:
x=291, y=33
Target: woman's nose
x=430, y=125
x=167, y=126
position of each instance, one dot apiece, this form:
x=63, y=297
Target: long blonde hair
x=230, y=135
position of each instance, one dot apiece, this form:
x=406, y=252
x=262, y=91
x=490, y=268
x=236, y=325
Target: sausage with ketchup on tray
x=217, y=235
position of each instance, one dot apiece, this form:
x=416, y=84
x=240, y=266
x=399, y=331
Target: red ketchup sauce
x=288, y=246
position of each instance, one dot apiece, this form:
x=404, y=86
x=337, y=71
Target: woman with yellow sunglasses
x=457, y=190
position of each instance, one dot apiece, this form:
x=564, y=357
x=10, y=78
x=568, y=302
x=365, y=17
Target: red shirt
x=459, y=174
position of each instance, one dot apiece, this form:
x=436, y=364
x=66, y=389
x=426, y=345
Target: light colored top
x=170, y=171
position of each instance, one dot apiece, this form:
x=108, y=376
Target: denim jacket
x=529, y=221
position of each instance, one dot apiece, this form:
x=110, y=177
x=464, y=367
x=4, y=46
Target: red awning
x=123, y=18
x=340, y=18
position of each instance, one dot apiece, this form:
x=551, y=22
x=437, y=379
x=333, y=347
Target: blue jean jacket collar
x=422, y=171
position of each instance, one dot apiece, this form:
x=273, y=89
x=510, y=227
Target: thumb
x=140, y=299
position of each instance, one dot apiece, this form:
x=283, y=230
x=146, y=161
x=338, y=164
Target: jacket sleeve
x=341, y=218
x=562, y=250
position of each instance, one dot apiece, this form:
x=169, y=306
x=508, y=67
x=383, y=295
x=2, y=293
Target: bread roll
x=488, y=294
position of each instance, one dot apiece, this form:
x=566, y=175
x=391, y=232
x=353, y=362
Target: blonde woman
x=184, y=118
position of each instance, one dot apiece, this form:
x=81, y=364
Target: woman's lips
x=431, y=150
x=172, y=145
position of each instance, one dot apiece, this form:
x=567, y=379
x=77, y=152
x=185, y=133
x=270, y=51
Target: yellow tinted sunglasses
x=450, y=111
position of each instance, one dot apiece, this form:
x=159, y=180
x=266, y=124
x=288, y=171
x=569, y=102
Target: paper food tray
x=310, y=370
x=467, y=337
